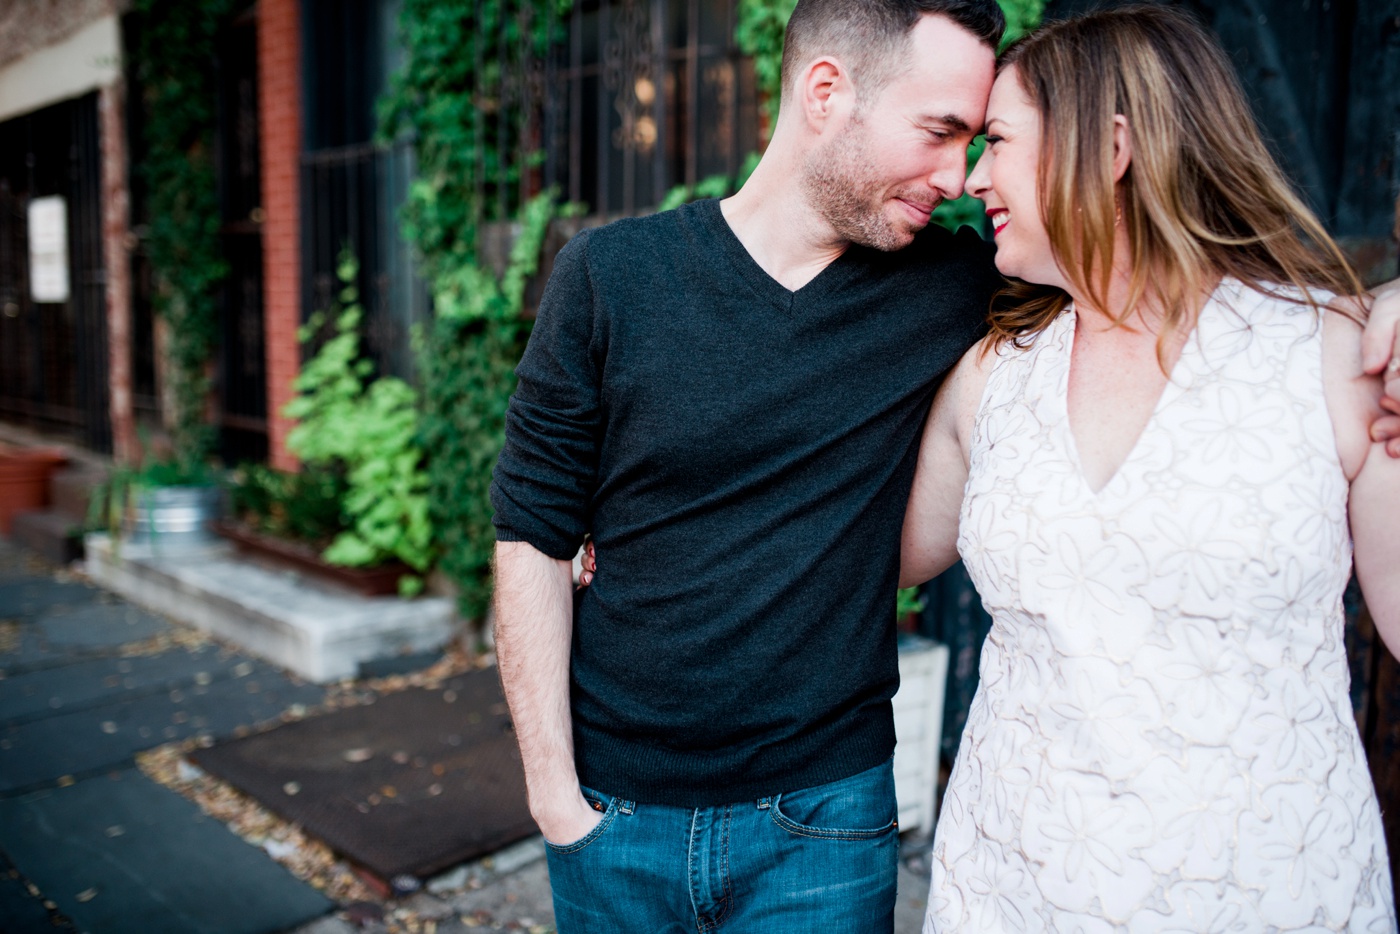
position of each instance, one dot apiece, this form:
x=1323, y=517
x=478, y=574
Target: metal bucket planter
x=174, y=517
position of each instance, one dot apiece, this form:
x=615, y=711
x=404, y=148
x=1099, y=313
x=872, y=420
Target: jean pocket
x=599, y=802
x=857, y=808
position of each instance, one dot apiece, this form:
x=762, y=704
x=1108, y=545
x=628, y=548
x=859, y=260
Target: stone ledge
x=320, y=633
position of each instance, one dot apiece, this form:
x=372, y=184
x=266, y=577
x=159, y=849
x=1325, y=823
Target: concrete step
x=320, y=632
x=51, y=535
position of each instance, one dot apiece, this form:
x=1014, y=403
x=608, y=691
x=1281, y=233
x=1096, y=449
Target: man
x=728, y=398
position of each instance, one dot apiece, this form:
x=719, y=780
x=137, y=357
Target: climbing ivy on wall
x=174, y=67
x=454, y=100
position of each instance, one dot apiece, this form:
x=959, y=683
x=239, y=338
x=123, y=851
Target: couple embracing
x=1155, y=443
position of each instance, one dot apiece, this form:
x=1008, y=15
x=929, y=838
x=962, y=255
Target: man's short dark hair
x=869, y=35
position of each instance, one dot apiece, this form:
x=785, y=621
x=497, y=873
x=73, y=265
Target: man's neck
x=778, y=227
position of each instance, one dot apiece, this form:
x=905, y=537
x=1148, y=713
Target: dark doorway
x=53, y=344
x=242, y=368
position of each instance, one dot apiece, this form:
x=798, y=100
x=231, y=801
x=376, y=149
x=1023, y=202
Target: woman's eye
x=993, y=140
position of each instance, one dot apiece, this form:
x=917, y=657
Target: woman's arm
x=930, y=541
x=1354, y=402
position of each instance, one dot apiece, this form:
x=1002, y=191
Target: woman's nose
x=980, y=181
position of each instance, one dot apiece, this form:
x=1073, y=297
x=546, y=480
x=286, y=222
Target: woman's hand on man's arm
x=1380, y=356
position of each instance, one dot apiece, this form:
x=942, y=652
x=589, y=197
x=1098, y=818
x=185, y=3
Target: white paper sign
x=48, y=249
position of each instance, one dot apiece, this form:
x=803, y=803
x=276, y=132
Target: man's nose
x=949, y=177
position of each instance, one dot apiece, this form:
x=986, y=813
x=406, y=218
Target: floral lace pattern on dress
x=1162, y=739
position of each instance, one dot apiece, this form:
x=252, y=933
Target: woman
x=1152, y=459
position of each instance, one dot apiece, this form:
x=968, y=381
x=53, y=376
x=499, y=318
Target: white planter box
x=918, y=729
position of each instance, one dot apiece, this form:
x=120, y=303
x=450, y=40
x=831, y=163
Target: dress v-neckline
x=1175, y=384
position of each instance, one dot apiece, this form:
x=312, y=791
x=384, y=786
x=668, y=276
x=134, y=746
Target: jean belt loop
x=762, y=803
x=626, y=807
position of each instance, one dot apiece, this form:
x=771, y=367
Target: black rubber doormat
x=413, y=784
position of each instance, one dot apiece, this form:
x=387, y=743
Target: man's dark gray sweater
x=741, y=455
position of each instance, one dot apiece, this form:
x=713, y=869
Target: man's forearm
x=534, y=629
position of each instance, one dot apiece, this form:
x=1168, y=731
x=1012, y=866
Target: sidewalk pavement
x=89, y=684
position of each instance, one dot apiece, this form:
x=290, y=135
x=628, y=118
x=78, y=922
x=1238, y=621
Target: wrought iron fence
x=639, y=97
x=350, y=198
x=53, y=354
x=636, y=97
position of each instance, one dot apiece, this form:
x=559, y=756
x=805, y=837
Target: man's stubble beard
x=837, y=182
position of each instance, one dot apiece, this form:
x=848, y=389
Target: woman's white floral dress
x=1163, y=738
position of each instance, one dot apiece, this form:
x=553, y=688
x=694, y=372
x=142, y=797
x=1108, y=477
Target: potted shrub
x=292, y=518
x=161, y=503
x=357, y=438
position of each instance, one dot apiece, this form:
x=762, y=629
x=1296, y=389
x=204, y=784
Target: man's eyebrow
x=952, y=121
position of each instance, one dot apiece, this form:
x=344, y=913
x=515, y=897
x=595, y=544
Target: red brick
x=279, y=109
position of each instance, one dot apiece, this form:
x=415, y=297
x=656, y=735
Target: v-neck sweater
x=741, y=455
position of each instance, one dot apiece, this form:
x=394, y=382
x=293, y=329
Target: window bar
x=503, y=120
x=627, y=89
x=547, y=105
x=661, y=71
x=527, y=105
x=734, y=56
x=604, y=109
x=576, y=104
x=478, y=41
x=692, y=93
x=323, y=233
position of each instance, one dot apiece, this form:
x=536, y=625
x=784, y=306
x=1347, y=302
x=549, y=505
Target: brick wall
x=279, y=125
x=116, y=253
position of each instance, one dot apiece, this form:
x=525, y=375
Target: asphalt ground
x=99, y=699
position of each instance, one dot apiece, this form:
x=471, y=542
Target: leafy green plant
x=908, y=601
x=467, y=360
x=370, y=430
x=174, y=63
x=716, y=186
x=302, y=505
x=452, y=100
x=758, y=31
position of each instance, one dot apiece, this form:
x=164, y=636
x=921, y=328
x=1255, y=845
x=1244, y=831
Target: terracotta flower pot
x=24, y=480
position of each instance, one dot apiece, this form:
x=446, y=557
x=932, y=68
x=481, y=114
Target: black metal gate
x=242, y=365
x=351, y=186
x=642, y=96
x=53, y=354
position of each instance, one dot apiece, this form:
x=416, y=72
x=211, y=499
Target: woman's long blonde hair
x=1202, y=197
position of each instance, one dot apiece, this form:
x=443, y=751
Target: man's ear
x=824, y=84
x=1122, y=147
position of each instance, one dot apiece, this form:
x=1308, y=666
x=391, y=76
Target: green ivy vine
x=174, y=66
x=467, y=360
x=456, y=115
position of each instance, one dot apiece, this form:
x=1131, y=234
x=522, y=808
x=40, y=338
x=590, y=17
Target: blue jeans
x=823, y=859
